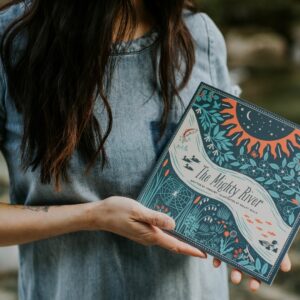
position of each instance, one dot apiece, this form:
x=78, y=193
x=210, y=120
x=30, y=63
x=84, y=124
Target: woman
x=85, y=88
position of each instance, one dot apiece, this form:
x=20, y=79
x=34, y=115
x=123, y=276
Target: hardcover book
x=230, y=177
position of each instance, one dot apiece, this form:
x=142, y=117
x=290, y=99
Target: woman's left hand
x=254, y=284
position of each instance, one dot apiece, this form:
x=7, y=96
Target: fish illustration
x=270, y=246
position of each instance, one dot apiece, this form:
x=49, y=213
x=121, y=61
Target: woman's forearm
x=21, y=224
x=120, y=215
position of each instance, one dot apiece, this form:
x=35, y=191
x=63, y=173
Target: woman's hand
x=131, y=219
x=254, y=284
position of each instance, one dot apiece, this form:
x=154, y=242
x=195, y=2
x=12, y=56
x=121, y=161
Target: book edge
x=294, y=229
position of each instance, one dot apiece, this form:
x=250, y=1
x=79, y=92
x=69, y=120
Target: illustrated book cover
x=230, y=177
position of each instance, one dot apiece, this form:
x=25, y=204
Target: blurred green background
x=263, y=42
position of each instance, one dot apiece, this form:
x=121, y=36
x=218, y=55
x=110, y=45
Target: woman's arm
x=124, y=216
x=21, y=224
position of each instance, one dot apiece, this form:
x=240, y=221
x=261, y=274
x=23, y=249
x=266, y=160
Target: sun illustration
x=246, y=124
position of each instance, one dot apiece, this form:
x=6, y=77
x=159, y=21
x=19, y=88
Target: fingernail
x=202, y=255
x=171, y=223
x=254, y=285
x=236, y=277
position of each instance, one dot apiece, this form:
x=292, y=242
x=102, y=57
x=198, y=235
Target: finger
x=254, y=284
x=286, y=264
x=236, y=276
x=150, y=216
x=216, y=262
x=171, y=243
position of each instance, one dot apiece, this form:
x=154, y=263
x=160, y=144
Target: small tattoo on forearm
x=36, y=208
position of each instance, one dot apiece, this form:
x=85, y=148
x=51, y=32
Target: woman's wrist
x=93, y=215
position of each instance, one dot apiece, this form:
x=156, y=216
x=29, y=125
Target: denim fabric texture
x=102, y=265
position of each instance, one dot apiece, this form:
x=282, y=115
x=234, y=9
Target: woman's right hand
x=131, y=219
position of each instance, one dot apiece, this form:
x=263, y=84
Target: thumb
x=158, y=219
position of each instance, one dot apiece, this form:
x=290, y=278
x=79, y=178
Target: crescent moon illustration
x=248, y=115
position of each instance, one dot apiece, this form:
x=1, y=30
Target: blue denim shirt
x=102, y=265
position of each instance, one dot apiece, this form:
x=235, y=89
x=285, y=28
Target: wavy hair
x=61, y=69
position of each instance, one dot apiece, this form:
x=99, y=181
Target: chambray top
x=102, y=265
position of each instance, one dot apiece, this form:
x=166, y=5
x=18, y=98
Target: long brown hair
x=60, y=71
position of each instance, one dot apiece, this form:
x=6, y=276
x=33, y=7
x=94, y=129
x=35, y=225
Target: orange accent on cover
x=292, y=137
x=165, y=162
x=197, y=199
x=188, y=131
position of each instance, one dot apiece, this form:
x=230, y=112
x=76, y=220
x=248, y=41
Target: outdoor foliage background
x=263, y=42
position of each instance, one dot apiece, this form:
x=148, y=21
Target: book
x=230, y=177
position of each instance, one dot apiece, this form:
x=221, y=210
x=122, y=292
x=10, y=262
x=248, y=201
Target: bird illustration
x=270, y=246
x=195, y=159
x=186, y=159
x=187, y=166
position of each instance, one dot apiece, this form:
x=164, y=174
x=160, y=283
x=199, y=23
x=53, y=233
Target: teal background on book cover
x=251, y=220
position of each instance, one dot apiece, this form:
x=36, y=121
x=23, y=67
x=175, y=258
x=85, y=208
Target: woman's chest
x=132, y=147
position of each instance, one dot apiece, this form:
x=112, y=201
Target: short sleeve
x=217, y=52
x=3, y=87
x=2, y=105
x=7, y=15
